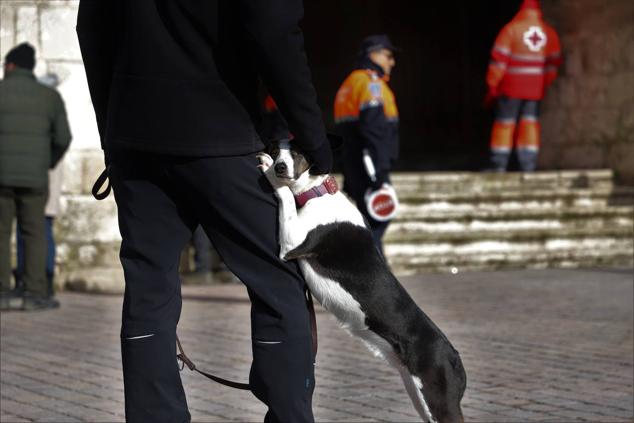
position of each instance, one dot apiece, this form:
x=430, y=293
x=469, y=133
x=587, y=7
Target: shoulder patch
x=375, y=89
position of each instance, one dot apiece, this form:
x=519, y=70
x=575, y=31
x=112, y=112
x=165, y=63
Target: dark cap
x=22, y=55
x=377, y=42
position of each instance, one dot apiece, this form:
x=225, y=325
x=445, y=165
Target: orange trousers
x=516, y=124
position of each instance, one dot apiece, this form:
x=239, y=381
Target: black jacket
x=180, y=76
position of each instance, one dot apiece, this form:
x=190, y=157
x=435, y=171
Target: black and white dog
x=326, y=233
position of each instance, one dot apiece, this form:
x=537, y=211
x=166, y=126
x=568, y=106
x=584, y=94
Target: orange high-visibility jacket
x=366, y=115
x=362, y=89
x=525, y=57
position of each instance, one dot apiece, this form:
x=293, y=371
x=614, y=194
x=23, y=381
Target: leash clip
x=182, y=357
x=186, y=362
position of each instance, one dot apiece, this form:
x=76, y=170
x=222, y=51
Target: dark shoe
x=18, y=289
x=37, y=302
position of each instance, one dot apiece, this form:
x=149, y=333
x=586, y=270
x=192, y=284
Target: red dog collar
x=329, y=186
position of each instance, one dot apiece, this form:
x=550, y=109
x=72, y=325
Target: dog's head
x=291, y=166
x=289, y=162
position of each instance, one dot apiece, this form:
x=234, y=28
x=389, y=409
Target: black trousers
x=161, y=200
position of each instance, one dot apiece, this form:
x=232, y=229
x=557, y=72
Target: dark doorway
x=439, y=79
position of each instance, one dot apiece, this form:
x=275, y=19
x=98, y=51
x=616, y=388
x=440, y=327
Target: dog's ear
x=268, y=147
x=336, y=141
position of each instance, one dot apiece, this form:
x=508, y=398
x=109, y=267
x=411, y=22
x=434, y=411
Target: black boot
x=18, y=290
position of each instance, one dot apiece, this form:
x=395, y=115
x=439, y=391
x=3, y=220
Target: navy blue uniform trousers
x=161, y=200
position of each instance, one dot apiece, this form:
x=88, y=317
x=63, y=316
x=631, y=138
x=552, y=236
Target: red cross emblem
x=534, y=38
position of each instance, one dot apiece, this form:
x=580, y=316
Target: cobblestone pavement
x=549, y=345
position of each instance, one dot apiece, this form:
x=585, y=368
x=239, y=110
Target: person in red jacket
x=524, y=62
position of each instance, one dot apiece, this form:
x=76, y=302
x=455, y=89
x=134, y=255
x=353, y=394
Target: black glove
x=381, y=178
x=321, y=160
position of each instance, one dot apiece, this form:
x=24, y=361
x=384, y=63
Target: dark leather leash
x=245, y=386
x=182, y=357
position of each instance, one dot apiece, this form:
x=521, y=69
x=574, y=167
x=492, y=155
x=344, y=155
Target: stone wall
x=86, y=230
x=588, y=115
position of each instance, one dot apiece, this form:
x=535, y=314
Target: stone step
x=514, y=200
x=421, y=231
x=512, y=181
x=518, y=234
x=505, y=223
x=416, y=213
x=585, y=252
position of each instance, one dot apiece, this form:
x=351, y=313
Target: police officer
x=524, y=62
x=366, y=116
x=175, y=95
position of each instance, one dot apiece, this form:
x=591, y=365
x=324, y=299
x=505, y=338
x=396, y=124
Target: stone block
x=602, y=52
x=567, y=92
x=57, y=32
x=625, y=39
x=592, y=91
x=573, y=128
x=621, y=158
x=583, y=157
x=626, y=120
x=81, y=170
x=573, y=60
x=88, y=253
x=83, y=219
x=621, y=88
x=549, y=154
x=74, y=90
x=553, y=126
x=628, y=56
x=92, y=166
x=27, y=27
x=601, y=125
x=98, y=280
x=7, y=30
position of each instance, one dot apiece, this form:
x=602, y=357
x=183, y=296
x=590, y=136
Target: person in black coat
x=174, y=88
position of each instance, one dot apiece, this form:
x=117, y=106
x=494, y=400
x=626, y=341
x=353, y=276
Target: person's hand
x=321, y=160
x=381, y=178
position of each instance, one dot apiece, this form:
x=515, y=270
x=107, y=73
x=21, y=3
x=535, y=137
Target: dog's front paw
x=266, y=161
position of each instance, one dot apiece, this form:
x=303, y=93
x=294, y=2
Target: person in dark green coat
x=34, y=135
